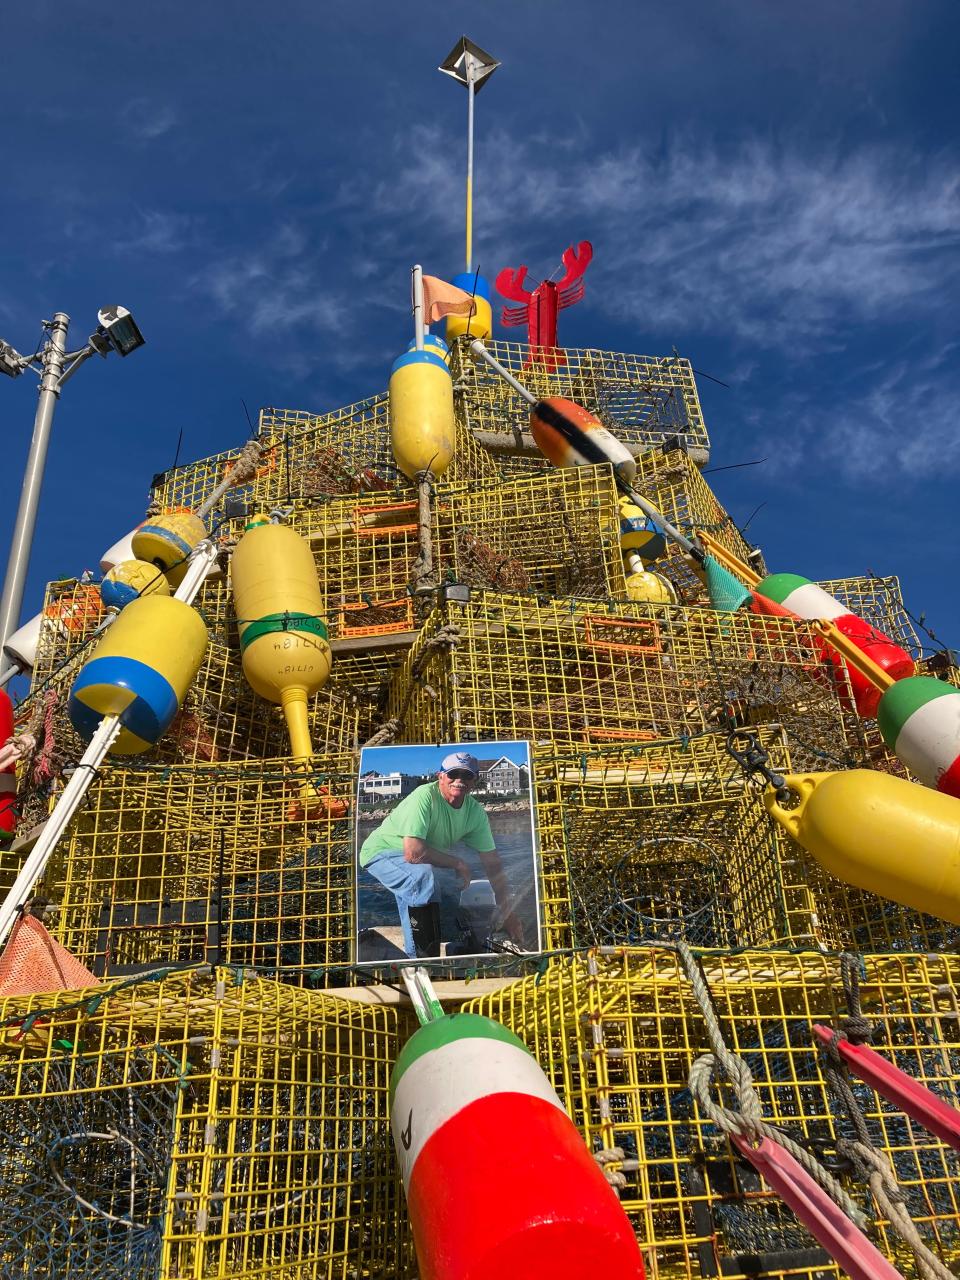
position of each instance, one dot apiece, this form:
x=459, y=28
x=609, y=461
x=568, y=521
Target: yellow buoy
x=643, y=585
x=167, y=541
x=480, y=324
x=880, y=833
x=286, y=657
x=140, y=671
x=131, y=579
x=422, y=430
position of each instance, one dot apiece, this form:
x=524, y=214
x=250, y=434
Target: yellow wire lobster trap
x=221, y=720
x=646, y=400
x=665, y=840
x=201, y=1125
x=584, y=673
x=347, y=451
x=195, y=863
x=617, y=1032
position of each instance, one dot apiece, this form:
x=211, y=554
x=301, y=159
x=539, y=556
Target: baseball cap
x=460, y=760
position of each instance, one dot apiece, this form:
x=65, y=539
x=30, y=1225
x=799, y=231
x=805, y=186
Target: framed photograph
x=446, y=852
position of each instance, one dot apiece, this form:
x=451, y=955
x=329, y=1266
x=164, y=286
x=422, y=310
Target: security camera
x=119, y=326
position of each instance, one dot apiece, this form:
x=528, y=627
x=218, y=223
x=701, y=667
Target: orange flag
x=442, y=299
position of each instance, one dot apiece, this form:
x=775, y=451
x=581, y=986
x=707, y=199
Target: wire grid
x=673, y=484
x=200, y=1125
x=191, y=863
x=645, y=400
x=582, y=673
x=878, y=601
x=618, y=1031
x=556, y=533
x=72, y=610
x=663, y=840
x=344, y=452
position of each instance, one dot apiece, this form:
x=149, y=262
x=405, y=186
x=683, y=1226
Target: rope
x=445, y=637
x=748, y=1122
x=870, y=1166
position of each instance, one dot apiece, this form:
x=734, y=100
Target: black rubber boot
x=425, y=926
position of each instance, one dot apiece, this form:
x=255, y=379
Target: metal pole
x=418, y=316
x=23, y=530
x=470, y=95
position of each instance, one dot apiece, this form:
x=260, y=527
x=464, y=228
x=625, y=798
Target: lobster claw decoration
x=541, y=306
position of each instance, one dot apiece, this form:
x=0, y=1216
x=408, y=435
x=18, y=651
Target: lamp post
x=54, y=364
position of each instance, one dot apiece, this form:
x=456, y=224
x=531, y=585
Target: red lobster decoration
x=542, y=305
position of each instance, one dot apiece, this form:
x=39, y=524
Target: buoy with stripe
x=570, y=436
x=8, y=776
x=807, y=600
x=433, y=343
x=167, y=541
x=283, y=637
x=499, y=1182
x=131, y=579
x=639, y=534
x=422, y=427
x=140, y=671
x=919, y=718
x=480, y=324
x=879, y=833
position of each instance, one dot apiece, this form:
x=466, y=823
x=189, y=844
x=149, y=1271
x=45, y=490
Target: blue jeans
x=413, y=884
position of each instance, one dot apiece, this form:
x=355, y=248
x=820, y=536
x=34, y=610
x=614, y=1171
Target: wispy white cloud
x=156, y=231
x=145, y=120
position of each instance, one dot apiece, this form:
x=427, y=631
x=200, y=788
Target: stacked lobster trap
x=228, y=1117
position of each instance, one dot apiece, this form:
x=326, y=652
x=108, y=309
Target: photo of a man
x=435, y=851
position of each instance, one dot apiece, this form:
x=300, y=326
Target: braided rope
x=748, y=1122
x=446, y=637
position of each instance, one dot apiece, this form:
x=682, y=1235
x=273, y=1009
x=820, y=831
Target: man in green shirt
x=415, y=839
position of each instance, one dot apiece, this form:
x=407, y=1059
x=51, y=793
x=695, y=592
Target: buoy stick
x=7, y=675
x=85, y=771
x=426, y=1002
x=470, y=70
x=826, y=1222
x=418, y=317
x=239, y=473
x=83, y=775
x=424, y=530
x=480, y=351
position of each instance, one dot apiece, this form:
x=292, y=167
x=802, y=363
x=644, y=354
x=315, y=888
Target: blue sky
x=772, y=189
x=416, y=759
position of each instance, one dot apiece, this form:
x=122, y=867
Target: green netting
x=726, y=592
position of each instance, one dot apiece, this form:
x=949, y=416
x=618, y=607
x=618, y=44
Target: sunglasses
x=460, y=775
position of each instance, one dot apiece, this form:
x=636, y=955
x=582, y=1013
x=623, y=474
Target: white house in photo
x=501, y=776
x=381, y=786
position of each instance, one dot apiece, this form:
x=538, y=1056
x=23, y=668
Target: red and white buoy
x=805, y=599
x=919, y=719
x=498, y=1179
x=8, y=774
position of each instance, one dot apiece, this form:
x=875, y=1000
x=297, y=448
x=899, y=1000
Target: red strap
x=828, y=1224
x=897, y=1087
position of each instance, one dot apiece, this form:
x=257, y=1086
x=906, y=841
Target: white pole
x=481, y=352
x=418, y=316
x=470, y=70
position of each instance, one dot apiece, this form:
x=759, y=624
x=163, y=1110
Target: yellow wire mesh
x=618, y=1032
x=583, y=673
x=343, y=452
x=663, y=840
x=72, y=610
x=646, y=400
x=672, y=483
x=198, y=1126
x=188, y=863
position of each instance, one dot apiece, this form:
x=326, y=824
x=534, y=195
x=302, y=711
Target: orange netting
x=33, y=962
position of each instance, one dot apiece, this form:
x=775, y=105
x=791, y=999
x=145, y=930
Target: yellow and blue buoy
x=167, y=541
x=433, y=343
x=140, y=671
x=480, y=324
x=130, y=580
x=422, y=425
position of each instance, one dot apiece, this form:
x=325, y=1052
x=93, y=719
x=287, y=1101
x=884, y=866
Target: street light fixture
x=54, y=364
